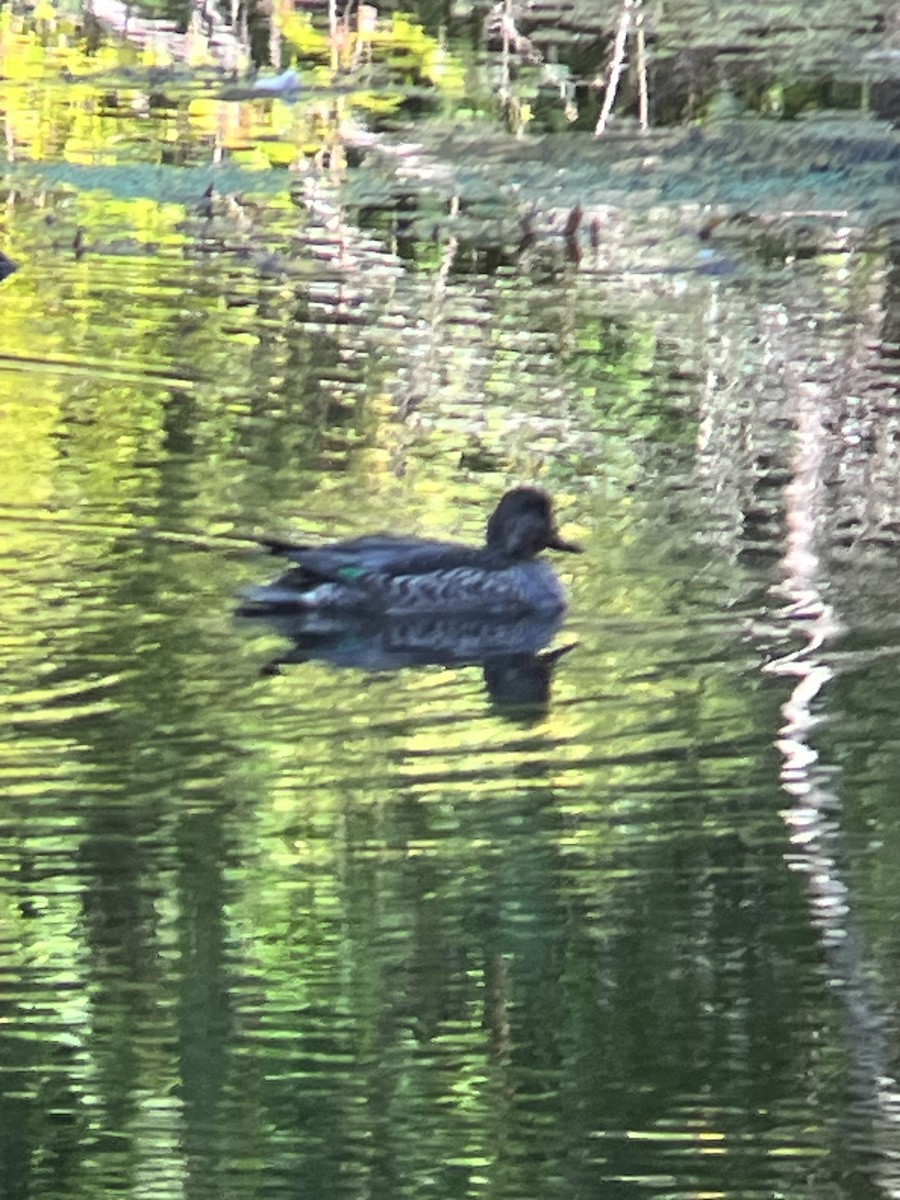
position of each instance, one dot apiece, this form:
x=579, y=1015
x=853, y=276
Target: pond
x=604, y=908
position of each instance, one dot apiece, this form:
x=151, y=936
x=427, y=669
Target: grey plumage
x=389, y=574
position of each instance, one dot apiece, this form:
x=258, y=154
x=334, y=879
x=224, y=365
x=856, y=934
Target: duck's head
x=522, y=525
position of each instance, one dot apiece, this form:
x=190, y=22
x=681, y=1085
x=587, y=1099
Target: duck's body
x=404, y=575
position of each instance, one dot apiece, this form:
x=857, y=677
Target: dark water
x=273, y=925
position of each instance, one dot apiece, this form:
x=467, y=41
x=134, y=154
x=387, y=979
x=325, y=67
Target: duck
x=383, y=574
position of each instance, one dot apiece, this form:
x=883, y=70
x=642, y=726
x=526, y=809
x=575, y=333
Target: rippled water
x=615, y=919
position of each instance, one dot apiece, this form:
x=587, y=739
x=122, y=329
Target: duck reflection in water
x=382, y=602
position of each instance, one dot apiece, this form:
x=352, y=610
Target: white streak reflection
x=813, y=816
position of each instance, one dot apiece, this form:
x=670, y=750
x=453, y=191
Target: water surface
x=274, y=925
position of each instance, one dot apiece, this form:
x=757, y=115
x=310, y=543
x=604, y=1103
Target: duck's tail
x=270, y=598
x=275, y=545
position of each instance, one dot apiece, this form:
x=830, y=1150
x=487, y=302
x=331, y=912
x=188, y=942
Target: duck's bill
x=558, y=543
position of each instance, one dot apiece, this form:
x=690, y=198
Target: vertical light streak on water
x=814, y=815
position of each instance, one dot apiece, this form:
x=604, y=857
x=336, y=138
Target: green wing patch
x=350, y=574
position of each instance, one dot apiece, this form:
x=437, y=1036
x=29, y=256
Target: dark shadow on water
x=517, y=668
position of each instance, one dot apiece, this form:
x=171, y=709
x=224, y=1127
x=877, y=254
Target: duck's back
x=382, y=554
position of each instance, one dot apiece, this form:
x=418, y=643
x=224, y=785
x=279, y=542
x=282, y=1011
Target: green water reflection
x=337, y=932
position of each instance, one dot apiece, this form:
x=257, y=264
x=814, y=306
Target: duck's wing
x=376, y=554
